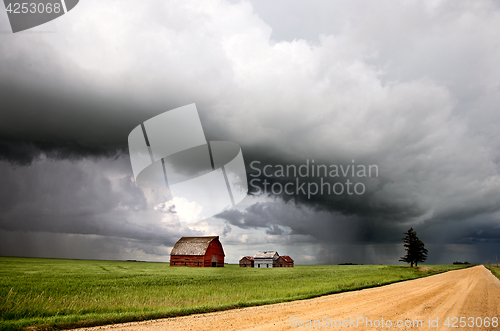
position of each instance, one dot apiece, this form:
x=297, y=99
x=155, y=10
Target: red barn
x=246, y=262
x=197, y=252
x=284, y=261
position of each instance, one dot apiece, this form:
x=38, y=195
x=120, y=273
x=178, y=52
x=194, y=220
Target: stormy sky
x=411, y=87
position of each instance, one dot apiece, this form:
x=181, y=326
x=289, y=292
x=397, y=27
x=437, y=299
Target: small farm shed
x=197, y=252
x=265, y=259
x=284, y=261
x=246, y=262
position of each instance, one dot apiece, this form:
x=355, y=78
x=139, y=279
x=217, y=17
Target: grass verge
x=51, y=294
x=494, y=270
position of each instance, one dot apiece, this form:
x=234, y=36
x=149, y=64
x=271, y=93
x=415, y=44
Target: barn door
x=214, y=260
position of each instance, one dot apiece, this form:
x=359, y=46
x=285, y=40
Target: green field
x=54, y=294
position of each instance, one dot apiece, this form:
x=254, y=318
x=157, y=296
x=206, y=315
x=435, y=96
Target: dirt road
x=469, y=293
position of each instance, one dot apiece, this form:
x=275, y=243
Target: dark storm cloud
x=65, y=120
x=62, y=194
x=318, y=226
x=81, y=198
x=323, y=192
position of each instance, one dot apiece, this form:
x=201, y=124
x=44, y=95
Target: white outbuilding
x=265, y=259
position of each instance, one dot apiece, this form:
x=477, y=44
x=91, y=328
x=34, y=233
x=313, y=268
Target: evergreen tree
x=414, y=247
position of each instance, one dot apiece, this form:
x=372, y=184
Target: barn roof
x=287, y=258
x=192, y=245
x=266, y=255
x=250, y=258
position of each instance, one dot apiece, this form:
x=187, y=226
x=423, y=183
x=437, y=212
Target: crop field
x=55, y=294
